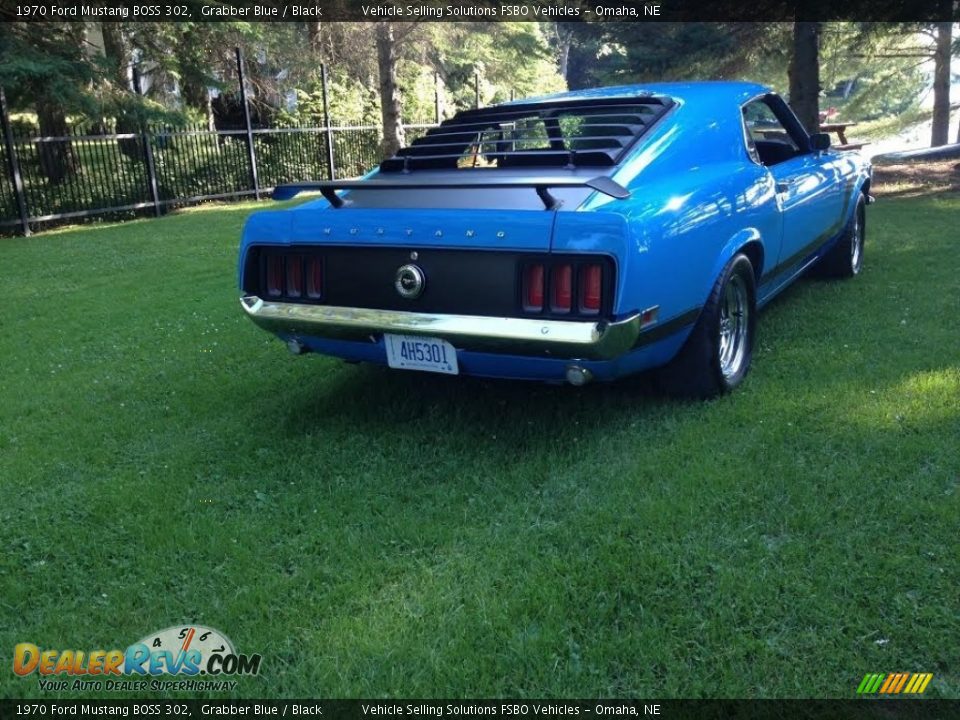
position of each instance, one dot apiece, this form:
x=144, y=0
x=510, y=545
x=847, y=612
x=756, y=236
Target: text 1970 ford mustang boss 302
x=579, y=236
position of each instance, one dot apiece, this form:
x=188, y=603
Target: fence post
x=14, y=166
x=436, y=96
x=148, y=153
x=251, y=151
x=476, y=90
x=331, y=170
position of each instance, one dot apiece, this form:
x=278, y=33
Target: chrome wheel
x=845, y=258
x=734, y=326
x=717, y=354
x=856, y=244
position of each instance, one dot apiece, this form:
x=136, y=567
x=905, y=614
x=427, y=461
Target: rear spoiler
x=601, y=184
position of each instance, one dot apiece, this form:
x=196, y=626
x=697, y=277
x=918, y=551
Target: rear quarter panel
x=696, y=199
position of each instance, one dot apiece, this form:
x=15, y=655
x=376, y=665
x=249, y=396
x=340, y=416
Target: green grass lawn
x=375, y=532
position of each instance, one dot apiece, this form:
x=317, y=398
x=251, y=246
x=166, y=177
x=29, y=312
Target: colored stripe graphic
x=870, y=683
x=900, y=682
x=914, y=682
x=894, y=683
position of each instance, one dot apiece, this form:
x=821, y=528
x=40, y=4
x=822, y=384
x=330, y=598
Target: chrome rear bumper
x=562, y=339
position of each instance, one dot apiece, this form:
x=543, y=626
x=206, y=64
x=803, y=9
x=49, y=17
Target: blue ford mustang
x=579, y=236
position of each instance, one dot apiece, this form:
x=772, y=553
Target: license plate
x=410, y=352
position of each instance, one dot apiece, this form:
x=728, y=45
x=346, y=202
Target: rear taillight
x=568, y=285
x=533, y=288
x=314, y=278
x=274, y=275
x=294, y=276
x=561, y=289
x=591, y=288
x=297, y=276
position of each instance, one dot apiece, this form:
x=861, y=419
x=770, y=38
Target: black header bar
x=482, y=10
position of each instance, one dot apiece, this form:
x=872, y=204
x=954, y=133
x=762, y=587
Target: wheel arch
x=748, y=241
x=861, y=187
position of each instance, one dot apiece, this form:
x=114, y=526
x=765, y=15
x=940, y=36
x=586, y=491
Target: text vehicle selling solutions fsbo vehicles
x=580, y=236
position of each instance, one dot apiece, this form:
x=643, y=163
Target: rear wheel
x=718, y=353
x=845, y=258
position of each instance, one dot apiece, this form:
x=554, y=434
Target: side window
x=748, y=140
x=766, y=137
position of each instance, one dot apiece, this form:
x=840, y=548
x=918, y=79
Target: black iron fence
x=89, y=173
x=103, y=170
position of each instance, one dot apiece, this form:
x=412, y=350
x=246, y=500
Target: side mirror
x=819, y=141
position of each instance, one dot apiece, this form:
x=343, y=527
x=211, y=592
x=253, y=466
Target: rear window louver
x=566, y=133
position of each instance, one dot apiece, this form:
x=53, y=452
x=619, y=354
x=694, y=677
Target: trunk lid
x=411, y=228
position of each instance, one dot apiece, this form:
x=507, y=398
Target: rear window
x=550, y=134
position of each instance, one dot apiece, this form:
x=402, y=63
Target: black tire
x=717, y=355
x=845, y=258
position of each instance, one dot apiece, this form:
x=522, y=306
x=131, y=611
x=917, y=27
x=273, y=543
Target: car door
x=807, y=183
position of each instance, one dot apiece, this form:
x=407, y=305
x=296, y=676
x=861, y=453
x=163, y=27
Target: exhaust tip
x=578, y=376
x=296, y=347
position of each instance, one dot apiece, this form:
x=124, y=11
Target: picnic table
x=840, y=128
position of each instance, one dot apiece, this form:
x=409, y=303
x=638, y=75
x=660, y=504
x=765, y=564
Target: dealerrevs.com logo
x=185, y=652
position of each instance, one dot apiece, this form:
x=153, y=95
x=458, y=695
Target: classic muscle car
x=575, y=237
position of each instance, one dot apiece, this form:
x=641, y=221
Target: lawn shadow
x=916, y=179
x=373, y=398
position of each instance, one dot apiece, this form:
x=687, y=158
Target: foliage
x=435, y=58
x=350, y=102
x=617, y=53
x=510, y=56
x=46, y=59
x=181, y=61
x=861, y=86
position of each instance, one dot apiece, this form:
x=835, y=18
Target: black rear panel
x=462, y=282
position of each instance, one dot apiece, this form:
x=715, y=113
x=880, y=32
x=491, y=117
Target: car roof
x=697, y=92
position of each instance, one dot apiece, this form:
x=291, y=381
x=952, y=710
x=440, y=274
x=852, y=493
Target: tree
x=804, y=74
x=510, y=57
x=193, y=68
x=314, y=35
x=869, y=70
x=46, y=68
x=390, y=107
x=921, y=43
x=615, y=53
x=941, y=85
x=563, y=37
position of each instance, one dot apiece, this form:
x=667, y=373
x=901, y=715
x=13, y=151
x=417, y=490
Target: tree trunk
x=57, y=159
x=194, y=82
x=116, y=53
x=315, y=35
x=804, y=74
x=390, y=106
x=564, y=42
x=118, y=58
x=941, y=86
